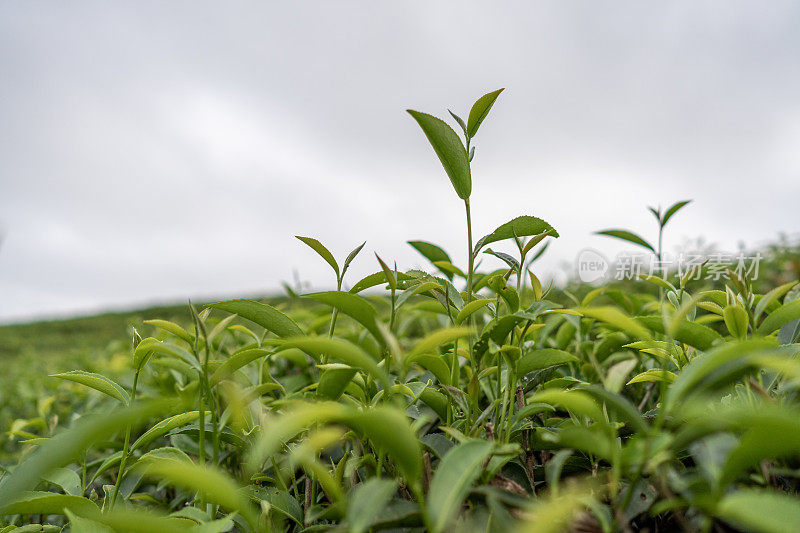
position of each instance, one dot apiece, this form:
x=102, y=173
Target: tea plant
x=456, y=399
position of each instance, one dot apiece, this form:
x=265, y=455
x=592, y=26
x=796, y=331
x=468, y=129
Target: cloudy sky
x=154, y=151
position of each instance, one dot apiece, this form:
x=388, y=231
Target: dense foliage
x=458, y=399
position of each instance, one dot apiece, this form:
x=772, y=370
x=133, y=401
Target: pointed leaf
x=449, y=149
x=318, y=247
x=522, y=226
x=456, y=473
x=96, y=382
x=480, y=109
x=627, y=236
x=264, y=315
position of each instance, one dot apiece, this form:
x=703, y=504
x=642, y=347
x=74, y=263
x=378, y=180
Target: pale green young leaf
x=264, y=315
x=97, y=382
x=780, y=316
x=171, y=327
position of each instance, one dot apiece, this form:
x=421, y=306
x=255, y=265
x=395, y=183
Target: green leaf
x=654, y=374
x=150, y=345
x=437, y=366
x=213, y=484
x=522, y=226
x=627, y=236
x=67, y=480
x=341, y=350
x=46, y=503
x=704, y=371
x=378, y=278
x=264, y=315
x=470, y=308
x=283, y=503
x=65, y=447
x=432, y=253
x=761, y=510
x=770, y=297
x=672, y=210
x=687, y=332
x=541, y=359
x=616, y=318
x=334, y=380
x=352, y=255
x=782, y=315
x=235, y=362
x=318, y=247
x=456, y=473
x=163, y=427
x=96, y=382
x=353, y=306
x=480, y=109
x=367, y=502
x=736, y=320
x=431, y=342
x=451, y=152
x=171, y=327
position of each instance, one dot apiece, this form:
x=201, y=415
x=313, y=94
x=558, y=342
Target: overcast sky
x=154, y=151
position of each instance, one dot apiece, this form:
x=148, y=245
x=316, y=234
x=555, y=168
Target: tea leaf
x=367, y=503
x=456, y=473
x=674, y=208
x=519, y=227
x=353, y=306
x=627, y=236
x=264, y=315
x=480, y=109
x=318, y=247
x=96, y=382
x=449, y=149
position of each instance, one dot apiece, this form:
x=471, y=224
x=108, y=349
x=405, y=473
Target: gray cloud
x=160, y=151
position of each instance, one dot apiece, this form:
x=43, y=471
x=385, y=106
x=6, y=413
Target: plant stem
x=125, y=448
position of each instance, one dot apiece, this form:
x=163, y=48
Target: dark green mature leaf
x=353, y=306
x=318, y=247
x=480, y=109
x=367, y=502
x=456, y=473
x=627, y=236
x=522, y=226
x=674, y=208
x=430, y=251
x=264, y=315
x=451, y=152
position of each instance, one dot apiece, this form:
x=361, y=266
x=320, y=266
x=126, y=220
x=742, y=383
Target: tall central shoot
x=456, y=157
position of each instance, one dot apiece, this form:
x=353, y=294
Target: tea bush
x=454, y=399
